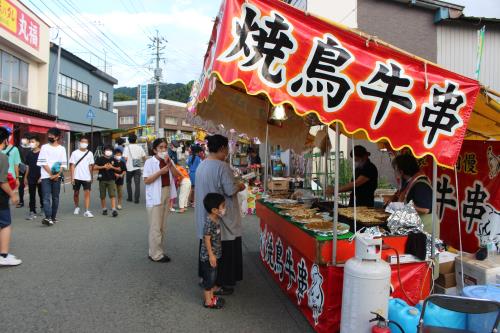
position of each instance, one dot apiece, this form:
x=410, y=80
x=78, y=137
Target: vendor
x=416, y=187
x=254, y=157
x=366, y=179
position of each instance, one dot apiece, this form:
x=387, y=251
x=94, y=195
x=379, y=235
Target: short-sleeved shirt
x=105, y=175
x=133, y=152
x=82, y=170
x=153, y=190
x=421, y=194
x=214, y=231
x=14, y=158
x=50, y=156
x=33, y=168
x=123, y=167
x=214, y=176
x=4, y=169
x=365, y=194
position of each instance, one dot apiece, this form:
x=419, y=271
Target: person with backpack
x=107, y=167
x=81, y=164
x=32, y=176
x=52, y=160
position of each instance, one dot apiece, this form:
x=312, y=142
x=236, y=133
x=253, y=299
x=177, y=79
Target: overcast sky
x=186, y=24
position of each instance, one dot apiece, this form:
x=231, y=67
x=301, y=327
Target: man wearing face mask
x=52, y=160
x=107, y=168
x=366, y=181
x=81, y=164
x=159, y=173
x=24, y=149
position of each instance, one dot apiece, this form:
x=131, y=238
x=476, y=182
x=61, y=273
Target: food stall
x=266, y=54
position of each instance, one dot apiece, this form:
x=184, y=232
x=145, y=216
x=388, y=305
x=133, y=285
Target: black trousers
x=134, y=176
x=21, y=189
x=230, y=265
x=32, y=188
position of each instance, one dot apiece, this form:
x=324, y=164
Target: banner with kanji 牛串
x=316, y=67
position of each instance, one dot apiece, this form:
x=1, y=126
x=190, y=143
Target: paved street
x=87, y=275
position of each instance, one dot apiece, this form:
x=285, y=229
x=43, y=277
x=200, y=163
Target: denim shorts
x=5, y=218
x=209, y=274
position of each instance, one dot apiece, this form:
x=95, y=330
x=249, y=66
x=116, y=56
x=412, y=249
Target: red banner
x=478, y=168
x=19, y=23
x=317, y=67
x=317, y=289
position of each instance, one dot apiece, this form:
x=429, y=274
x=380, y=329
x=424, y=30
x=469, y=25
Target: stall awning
x=32, y=121
x=484, y=123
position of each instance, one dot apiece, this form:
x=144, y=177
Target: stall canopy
x=277, y=54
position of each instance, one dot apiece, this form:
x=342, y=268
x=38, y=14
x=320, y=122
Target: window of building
x=74, y=89
x=127, y=120
x=171, y=121
x=103, y=100
x=185, y=123
x=13, y=79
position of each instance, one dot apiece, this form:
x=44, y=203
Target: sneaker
x=31, y=216
x=119, y=207
x=88, y=214
x=77, y=211
x=172, y=210
x=10, y=260
x=47, y=222
x=54, y=220
x=114, y=213
x=105, y=211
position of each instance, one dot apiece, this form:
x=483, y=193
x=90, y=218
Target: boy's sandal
x=216, y=303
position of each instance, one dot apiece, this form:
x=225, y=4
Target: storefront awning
x=32, y=121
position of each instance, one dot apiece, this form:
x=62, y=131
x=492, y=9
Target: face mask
x=108, y=153
x=33, y=145
x=118, y=158
x=222, y=212
x=51, y=140
x=83, y=145
x=24, y=143
x=162, y=154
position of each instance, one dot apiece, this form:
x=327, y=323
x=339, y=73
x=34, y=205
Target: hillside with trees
x=173, y=91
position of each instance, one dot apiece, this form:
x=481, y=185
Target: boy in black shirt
x=32, y=176
x=107, y=168
x=119, y=176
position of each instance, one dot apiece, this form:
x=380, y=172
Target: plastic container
x=437, y=316
x=482, y=323
x=405, y=315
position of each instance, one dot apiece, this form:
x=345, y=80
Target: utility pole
x=58, y=69
x=158, y=47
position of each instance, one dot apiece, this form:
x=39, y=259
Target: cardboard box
x=446, y=280
x=445, y=291
x=476, y=272
x=447, y=262
x=278, y=185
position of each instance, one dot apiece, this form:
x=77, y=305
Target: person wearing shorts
x=107, y=167
x=119, y=176
x=81, y=164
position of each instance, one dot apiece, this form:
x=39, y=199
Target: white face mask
x=108, y=153
x=222, y=212
x=84, y=145
x=24, y=143
x=162, y=154
x=33, y=145
x=118, y=158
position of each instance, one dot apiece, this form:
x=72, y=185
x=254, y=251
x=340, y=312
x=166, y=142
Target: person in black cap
x=366, y=179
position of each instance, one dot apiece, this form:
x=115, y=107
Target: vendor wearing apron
x=416, y=187
x=366, y=179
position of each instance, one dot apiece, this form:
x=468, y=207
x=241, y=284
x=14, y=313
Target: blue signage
x=90, y=114
x=143, y=104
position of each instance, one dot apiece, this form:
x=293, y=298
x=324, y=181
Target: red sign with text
x=478, y=203
x=317, y=67
x=19, y=24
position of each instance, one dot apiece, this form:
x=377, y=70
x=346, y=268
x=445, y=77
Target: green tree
x=119, y=96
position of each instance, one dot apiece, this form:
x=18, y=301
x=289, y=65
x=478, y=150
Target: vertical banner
x=143, y=104
x=480, y=48
x=478, y=168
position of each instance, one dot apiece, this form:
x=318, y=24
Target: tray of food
x=327, y=227
x=290, y=206
x=365, y=216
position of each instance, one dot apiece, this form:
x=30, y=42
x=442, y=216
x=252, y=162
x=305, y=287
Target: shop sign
x=19, y=24
x=271, y=48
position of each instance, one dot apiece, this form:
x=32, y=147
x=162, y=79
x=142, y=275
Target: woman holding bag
x=159, y=174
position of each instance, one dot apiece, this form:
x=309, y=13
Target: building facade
x=81, y=88
x=173, y=116
x=24, y=70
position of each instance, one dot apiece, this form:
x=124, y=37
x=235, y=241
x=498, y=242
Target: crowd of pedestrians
x=206, y=181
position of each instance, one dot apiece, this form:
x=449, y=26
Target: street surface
x=93, y=275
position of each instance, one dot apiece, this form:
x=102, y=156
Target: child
x=119, y=175
x=81, y=164
x=106, y=166
x=32, y=176
x=184, y=189
x=211, y=248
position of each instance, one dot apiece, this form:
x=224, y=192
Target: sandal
x=216, y=303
